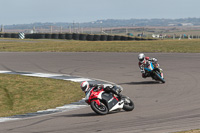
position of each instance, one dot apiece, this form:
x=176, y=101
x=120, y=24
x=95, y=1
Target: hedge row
x=73, y=36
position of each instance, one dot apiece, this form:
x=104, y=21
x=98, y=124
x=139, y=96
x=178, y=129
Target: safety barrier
x=82, y=37
x=54, y=36
x=110, y=38
x=73, y=36
x=61, y=36
x=14, y=35
x=21, y=35
x=96, y=38
x=103, y=38
x=90, y=37
x=68, y=36
x=117, y=37
x=7, y=35
x=1, y=35
x=48, y=36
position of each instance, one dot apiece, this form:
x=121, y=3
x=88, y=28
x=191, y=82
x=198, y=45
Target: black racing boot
x=119, y=96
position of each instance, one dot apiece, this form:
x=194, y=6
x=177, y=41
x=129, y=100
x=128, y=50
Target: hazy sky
x=30, y=11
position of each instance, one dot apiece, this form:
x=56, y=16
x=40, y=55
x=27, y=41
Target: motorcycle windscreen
x=149, y=67
x=109, y=99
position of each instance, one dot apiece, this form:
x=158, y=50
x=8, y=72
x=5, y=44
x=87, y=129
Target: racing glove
x=142, y=71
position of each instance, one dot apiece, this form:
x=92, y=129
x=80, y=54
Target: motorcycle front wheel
x=99, y=109
x=159, y=77
x=128, y=104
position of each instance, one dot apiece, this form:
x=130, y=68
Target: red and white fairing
x=112, y=101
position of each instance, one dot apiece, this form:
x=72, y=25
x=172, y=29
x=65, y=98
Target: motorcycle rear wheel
x=99, y=109
x=128, y=104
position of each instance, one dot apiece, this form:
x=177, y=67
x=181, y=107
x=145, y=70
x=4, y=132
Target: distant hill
x=112, y=23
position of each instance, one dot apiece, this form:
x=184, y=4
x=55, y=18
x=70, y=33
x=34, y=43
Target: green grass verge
x=52, y=45
x=21, y=94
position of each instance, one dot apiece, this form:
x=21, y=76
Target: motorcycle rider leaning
x=85, y=86
x=144, y=62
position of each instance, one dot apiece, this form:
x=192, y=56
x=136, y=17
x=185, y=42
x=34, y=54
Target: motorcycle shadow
x=91, y=114
x=141, y=83
x=81, y=115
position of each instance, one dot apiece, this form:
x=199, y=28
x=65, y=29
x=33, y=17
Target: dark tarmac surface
x=159, y=108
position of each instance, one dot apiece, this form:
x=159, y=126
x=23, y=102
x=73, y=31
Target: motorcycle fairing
x=150, y=68
x=88, y=93
x=109, y=99
x=93, y=96
x=119, y=105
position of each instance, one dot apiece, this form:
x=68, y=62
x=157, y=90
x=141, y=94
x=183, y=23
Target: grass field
x=167, y=46
x=21, y=94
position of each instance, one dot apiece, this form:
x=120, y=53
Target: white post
x=2, y=28
x=60, y=29
x=51, y=29
x=180, y=37
x=73, y=26
x=79, y=28
x=70, y=29
x=126, y=31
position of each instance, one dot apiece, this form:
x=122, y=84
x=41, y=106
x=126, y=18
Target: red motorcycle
x=103, y=102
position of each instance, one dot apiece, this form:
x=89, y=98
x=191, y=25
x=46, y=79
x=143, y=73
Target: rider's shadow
x=141, y=83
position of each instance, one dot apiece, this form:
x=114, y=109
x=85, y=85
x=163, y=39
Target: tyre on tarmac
x=99, y=109
x=128, y=104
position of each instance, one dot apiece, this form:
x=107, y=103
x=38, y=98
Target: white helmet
x=85, y=86
x=141, y=57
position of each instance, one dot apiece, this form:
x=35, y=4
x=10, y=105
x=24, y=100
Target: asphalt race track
x=159, y=108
